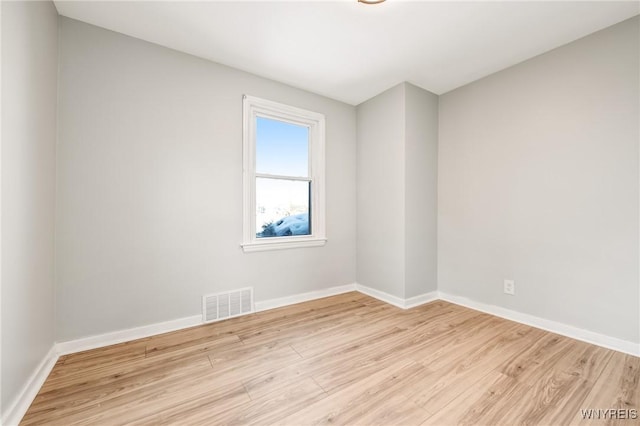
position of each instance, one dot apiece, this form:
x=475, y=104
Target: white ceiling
x=350, y=51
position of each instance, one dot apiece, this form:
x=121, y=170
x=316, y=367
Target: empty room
x=320, y=212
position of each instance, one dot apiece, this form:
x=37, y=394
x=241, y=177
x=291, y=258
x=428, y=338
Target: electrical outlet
x=510, y=287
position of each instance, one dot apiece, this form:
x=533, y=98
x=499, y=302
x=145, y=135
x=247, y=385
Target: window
x=283, y=150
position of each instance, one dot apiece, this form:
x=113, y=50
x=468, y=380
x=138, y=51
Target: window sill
x=282, y=245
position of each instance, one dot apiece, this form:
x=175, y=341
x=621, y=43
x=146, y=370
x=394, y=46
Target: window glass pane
x=282, y=207
x=281, y=148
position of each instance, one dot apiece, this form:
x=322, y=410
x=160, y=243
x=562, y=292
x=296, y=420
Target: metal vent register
x=219, y=306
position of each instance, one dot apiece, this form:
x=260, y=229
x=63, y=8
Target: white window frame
x=254, y=107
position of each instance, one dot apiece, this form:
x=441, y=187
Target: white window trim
x=253, y=107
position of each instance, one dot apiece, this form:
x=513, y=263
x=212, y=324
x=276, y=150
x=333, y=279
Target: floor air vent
x=219, y=306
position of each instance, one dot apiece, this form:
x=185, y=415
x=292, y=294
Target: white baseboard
x=548, y=325
x=19, y=406
x=381, y=295
x=399, y=302
x=92, y=342
x=421, y=299
x=121, y=336
x=303, y=297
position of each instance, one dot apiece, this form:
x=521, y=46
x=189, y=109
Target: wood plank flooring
x=348, y=359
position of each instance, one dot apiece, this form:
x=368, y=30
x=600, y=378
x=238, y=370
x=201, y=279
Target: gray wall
x=150, y=186
x=381, y=192
x=537, y=178
x=538, y=182
x=29, y=82
x=421, y=188
x=397, y=183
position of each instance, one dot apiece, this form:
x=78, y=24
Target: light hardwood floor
x=347, y=359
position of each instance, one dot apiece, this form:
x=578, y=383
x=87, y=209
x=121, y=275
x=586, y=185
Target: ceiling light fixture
x=370, y=1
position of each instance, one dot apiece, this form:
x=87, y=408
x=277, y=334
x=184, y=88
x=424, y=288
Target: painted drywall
x=538, y=182
x=29, y=91
x=421, y=191
x=380, y=171
x=149, y=213
x=397, y=185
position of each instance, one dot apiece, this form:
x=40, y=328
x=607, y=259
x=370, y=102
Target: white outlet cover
x=510, y=287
